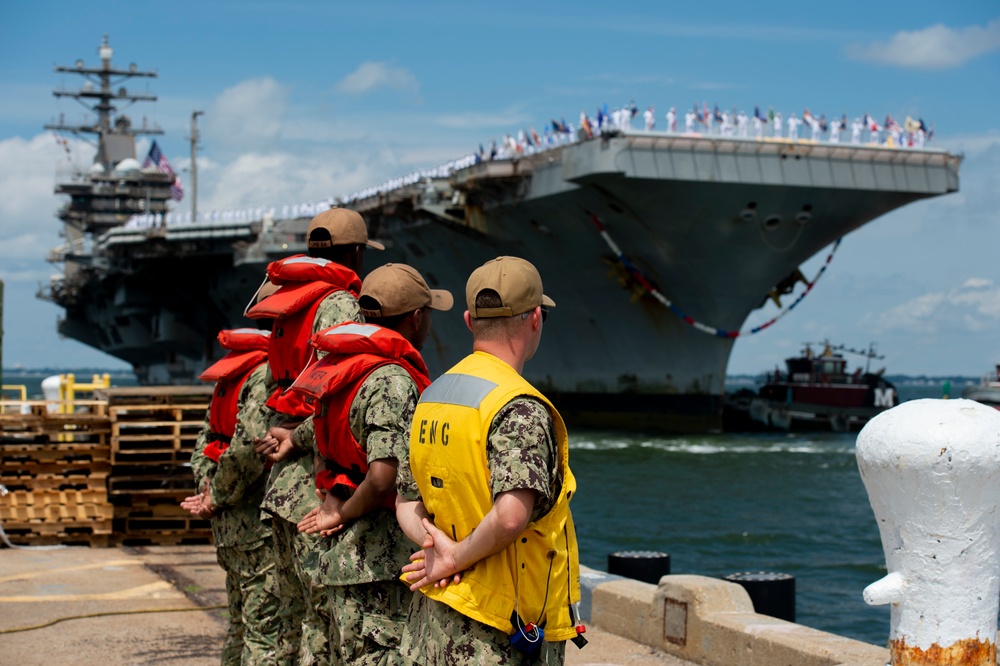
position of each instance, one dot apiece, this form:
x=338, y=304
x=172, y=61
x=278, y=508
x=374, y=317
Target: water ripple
x=712, y=445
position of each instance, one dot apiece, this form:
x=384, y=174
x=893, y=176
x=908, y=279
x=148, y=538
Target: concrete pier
x=151, y=605
x=710, y=621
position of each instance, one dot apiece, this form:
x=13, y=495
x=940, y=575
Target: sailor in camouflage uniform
x=233, y=479
x=315, y=292
x=498, y=570
x=366, y=388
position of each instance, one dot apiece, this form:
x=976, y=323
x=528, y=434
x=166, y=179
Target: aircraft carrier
x=655, y=246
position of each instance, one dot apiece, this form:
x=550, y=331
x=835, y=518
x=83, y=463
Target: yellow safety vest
x=539, y=574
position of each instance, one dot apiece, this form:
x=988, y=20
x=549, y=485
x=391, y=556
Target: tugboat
x=986, y=392
x=817, y=393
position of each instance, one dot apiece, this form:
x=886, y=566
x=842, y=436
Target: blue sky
x=304, y=100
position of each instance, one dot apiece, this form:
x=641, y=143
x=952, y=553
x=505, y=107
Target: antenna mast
x=98, y=99
x=194, y=165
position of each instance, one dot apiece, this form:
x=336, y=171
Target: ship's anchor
x=638, y=278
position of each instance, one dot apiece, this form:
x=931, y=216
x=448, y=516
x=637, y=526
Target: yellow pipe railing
x=68, y=386
x=64, y=403
x=20, y=389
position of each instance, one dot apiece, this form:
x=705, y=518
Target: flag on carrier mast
x=159, y=160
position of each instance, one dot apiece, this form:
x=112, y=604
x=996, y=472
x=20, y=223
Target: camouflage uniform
x=366, y=601
x=521, y=453
x=243, y=543
x=291, y=494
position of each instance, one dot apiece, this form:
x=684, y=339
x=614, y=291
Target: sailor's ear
x=468, y=320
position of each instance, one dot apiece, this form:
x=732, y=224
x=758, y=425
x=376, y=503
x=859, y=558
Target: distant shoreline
x=899, y=380
x=738, y=379
x=33, y=372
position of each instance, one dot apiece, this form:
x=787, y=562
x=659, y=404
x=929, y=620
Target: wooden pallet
x=15, y=437
x=151, y=434
x=185, y=411
x=86, y=423
x=153, y=506
x=177, y=452
x=102, y=540
x=156, y=512
x=145, y=524
x=156, y=395
x=53, y=408
x=65, y=453
x=113, y=473
x=57, y=513
x=27, y=529
x=56, y=505
x=151, y=480
x=56, y=476
x=140, y=499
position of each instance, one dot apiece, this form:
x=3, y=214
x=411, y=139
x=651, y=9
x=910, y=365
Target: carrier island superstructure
x=712, y=224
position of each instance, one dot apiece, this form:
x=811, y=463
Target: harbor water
x=725, y=503
x=721, y=504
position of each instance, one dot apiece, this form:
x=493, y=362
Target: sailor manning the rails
x=498, y=569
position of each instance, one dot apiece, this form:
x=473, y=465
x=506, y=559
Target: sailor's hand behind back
x=325, y=519
x=192, y=504
x=435, y=562
x=276, y=445
x=200, y=505
x=265, y=446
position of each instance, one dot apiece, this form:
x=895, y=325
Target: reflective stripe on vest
x=366, y=330
x=315, y=261
x=460, y=390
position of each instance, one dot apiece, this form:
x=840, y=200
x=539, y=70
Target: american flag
x=159, y=160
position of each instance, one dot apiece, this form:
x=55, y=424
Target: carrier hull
x=712, y=224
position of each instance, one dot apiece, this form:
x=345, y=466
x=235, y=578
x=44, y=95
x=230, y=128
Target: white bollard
x=932, y=472
x=51, y=391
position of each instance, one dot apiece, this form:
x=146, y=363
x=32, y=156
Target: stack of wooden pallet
x=153, y=433
x=55, y=467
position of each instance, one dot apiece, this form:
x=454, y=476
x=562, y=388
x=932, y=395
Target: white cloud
x=29, y=169
x=936, y=47
x=248, y=112
x=974, y=144
x=275, y=179
x=371, y=76
x=977, y=283
x=973, y=307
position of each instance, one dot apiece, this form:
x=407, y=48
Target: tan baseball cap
x=398, y=289
x=345, y=226
x=514, y=279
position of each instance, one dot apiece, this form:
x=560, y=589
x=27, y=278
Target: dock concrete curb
x=711, y=621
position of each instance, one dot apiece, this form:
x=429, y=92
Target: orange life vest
x=247, y=349
x=303, y=284
x=354, y=351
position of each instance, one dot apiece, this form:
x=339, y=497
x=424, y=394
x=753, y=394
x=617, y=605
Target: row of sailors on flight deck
x=912, y=133
x=890, y=133
x=227, y=215
x=294, y=211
